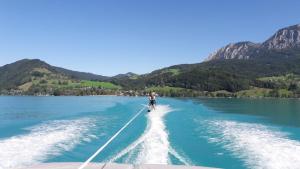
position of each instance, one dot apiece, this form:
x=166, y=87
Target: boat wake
x=153, y=147
x=43, y=141
x=257, y=145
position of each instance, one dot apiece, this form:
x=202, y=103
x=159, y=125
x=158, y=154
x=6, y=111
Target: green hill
x=37, y=77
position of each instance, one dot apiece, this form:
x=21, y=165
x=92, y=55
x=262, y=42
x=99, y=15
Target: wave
x=43, y=141
x=257, y=145
x=153, y=146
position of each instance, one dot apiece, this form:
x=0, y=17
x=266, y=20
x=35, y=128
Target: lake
x=224, y=133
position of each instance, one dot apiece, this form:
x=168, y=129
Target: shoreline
x=204, y=97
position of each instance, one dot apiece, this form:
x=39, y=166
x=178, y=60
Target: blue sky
x=108, y=37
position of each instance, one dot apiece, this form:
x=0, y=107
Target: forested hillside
x=35, y=77
x=228, y=75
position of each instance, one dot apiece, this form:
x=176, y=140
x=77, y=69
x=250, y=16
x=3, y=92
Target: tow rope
x=111, y=139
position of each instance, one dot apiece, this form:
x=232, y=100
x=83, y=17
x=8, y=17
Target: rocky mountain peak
x=240, y=50
x=288, y=37
x=285, y=38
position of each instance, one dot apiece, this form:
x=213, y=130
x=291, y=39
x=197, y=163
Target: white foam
x=43, y=141
x=153, y=146
x=258, y=145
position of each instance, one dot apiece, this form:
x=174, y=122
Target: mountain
x=80, y=75
x=243, y=66
x=286, y=38
x=240, y=50
x=17, y=73
x=126, y=75
x=231, y=75
x=28, y=72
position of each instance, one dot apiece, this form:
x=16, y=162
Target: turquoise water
x=224, y=133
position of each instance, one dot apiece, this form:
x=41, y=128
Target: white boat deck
x=75, y=165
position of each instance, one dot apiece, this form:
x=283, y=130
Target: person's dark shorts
x=152, y=102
